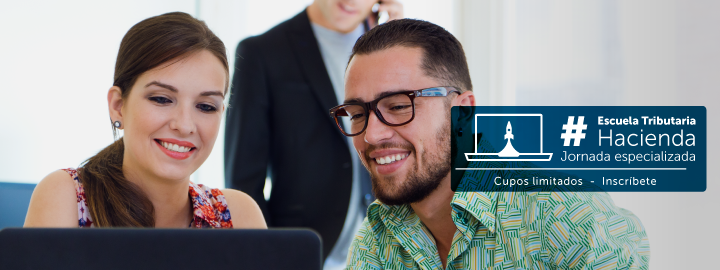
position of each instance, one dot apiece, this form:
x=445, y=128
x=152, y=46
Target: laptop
x=159, y=249
x=517, y=137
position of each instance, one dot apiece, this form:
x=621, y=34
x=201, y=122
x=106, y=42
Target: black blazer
x=278, y=123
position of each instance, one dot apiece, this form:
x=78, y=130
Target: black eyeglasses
x=394, y=109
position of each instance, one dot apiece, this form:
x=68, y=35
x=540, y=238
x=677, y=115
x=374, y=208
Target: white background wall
x=614, y=52
x=57, y=59
x=671, y=51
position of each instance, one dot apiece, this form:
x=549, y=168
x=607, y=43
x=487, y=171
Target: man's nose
x=376, y=130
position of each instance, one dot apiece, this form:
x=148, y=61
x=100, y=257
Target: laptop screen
x=526, y=131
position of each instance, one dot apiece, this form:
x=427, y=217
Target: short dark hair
x=443, y=55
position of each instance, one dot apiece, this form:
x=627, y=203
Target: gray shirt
x=335, y=49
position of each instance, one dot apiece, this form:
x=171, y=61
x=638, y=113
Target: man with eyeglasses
x=401, y=82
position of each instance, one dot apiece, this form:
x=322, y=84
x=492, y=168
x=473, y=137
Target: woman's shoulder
x=54, y=201
x=61, y=180
x=236, y=197
x=228, y=196
x=72, y=172
x=244, y=210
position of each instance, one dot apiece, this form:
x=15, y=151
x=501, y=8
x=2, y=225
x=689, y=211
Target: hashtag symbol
x=570, y=127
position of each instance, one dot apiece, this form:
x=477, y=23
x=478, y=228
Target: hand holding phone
x=384, y=11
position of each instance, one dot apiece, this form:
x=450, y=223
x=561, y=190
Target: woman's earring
x=116, y=124
x=459, y=132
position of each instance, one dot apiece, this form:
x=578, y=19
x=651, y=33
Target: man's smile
x=388, y=161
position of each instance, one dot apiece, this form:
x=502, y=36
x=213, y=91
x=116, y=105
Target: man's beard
x=418, y=185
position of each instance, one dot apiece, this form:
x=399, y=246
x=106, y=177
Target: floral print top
x=210, y=209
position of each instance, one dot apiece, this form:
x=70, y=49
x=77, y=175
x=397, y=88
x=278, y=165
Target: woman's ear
x=115, y=104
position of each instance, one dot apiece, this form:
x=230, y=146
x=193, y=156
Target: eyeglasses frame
x=439, y=91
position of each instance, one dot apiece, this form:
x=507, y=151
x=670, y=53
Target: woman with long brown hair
x=171, y=78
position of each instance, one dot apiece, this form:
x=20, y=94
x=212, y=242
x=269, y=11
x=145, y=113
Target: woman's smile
x=176, y=149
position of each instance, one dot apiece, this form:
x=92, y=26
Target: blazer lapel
x=307, y=51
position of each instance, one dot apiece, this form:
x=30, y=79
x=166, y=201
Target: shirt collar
x=469, y=210
x=203, y=211
x=482, y=205
x=389, y=215
x=335, y=36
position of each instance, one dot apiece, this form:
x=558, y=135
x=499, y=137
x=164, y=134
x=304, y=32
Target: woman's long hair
x=114, y=201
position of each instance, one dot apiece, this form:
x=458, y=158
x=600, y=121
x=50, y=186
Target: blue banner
x=579, y=148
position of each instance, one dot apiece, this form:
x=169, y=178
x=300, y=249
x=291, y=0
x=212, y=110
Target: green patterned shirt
x=506, y=230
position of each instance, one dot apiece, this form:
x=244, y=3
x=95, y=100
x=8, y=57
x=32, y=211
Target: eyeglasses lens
x=395, y=109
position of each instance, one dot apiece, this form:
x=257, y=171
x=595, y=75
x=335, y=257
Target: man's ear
x=462, y=117
x=115, y=105
x=464, y=99
x=466, y=109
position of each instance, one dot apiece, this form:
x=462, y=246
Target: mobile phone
x=377, y=18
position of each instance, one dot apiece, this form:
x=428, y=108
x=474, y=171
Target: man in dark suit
x=285, y=82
